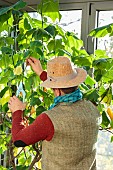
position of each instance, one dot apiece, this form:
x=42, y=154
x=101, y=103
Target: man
x=69, y=128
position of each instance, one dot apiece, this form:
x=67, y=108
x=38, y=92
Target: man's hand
x=35, y=64
x=15, y=104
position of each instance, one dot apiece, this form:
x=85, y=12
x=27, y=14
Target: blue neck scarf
x=68, y=98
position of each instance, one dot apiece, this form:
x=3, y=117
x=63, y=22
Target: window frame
x=93, y=20
x=89, y=18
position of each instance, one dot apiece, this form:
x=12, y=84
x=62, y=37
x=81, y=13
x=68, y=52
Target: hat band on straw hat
x=66, y=78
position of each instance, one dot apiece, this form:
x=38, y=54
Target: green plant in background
x=22, y=36
x=103, y=71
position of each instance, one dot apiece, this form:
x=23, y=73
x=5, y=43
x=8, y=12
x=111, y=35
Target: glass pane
x=104, y=146
x=105, y=43
x=104, y=151
x=71, y=21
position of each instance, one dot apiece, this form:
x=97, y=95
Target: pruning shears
x=20, y=91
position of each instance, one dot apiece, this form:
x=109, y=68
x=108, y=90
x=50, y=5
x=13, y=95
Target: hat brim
x=78, y=79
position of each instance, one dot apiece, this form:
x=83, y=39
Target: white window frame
x=97, y=6
x=89, y=17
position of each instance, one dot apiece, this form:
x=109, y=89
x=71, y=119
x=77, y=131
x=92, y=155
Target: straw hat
x=61, y=74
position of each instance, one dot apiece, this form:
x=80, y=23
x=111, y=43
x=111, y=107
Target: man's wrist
x=39, y=72
x=17, y=111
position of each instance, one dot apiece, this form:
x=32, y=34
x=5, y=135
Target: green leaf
x=31, y=120
x=105, y=120
x=58, y=44
x=50, y=8
x=27, y=53
x=29, y=83
x=90, y=81
x=100, y=54
x=27, y=25
x=9, y=40
x=82, y=60
x=5, y=17
x=3, y=27
x=3, y=91
x=51, y=45
x=3, y=80
x=19, y=5
x=72, y=34
x=111, y=138
x=101, y=63
x=33, y=94
x=51, y=30
x=40, y=34
x=48, y=99
x=92, y=95
x=15, y=58
x=10, y=21
x=4, y=10
x=98, y=75
x=30, y=32
x=36, y=43
x=35, y=101
x=39, y=110
x=108, y=77
x=35, y=23
x=54, y=45
x=73, y=41
x=22, y=167
x=60, y=31
x=102, y=31
x=111, y=124
x=102, y=90
x=84, y=86
x=62, y=52
x=20, y=37
x=5, y=108
x=4, y=41
x=6, y=50
x=106, y=96
x=39, y=51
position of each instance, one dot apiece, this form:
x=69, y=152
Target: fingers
x=33, y=59
x=35, y=64
x=30, y=62
x=13, y=99
x=15, y=104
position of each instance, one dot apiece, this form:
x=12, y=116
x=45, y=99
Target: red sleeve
x=41, y=129
x=43, y=76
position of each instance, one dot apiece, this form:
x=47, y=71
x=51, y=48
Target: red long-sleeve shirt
x=41, y=129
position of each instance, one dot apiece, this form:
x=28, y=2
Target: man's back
x=73, y=144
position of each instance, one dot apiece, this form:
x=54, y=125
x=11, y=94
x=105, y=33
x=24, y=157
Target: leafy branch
x=36, y=158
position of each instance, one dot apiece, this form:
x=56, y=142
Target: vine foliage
x=22, y=36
